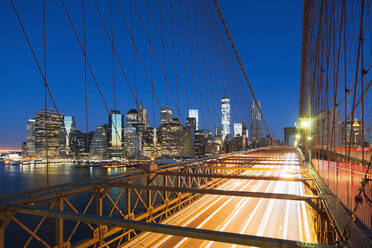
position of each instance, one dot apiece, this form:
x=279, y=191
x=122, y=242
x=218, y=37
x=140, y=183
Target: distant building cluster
x=55, y=135
x=345, y=132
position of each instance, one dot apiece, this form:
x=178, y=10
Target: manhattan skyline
x=283, y=68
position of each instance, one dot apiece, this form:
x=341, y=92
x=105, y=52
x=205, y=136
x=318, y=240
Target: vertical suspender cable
x=45, y=98
x=85, y=79
x=113, y=54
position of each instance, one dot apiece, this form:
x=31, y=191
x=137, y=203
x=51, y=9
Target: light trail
x=284, y=219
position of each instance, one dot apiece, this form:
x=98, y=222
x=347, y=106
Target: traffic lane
x=216, y=214
x=184, y=216
x=220, y=216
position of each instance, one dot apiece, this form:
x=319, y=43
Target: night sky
x=267, y=35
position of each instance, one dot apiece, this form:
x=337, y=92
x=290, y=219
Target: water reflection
x=18, y=178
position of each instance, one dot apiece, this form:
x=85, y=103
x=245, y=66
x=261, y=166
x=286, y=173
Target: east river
x=18, y=178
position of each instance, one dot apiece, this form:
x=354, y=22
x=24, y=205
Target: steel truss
x=117, y=208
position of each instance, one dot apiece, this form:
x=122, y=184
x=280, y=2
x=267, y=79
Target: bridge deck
x=274, y=218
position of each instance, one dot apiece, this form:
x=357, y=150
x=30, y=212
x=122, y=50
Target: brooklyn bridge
x=177, y=180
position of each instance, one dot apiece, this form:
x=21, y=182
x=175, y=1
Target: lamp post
x=305, y=130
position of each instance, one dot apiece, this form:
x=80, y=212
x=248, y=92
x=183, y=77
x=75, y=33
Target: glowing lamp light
x=305, y=123
x=297, y=136
x=309, y=138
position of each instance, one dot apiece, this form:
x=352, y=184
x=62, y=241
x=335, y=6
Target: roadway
x=274, y=218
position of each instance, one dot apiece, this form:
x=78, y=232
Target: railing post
x=99, y=201
x=5, y=218
x=59, y=225
x=165, y=183
x=129, y=213
x=178, y=186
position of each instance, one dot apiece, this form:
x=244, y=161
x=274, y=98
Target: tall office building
x=115, y=134
x=98, y=145
x=238, y=129
x=48, y=125
x=30, y=143
x=255, y=126
x=142, y=116
x=170, y=136
x=64, y=141
x=194, y=113
x=80, y=144
x=225, y=114
x=201, y=141
x=131, y=143
x=166, y=115
x=188, y=148
x=151, y=148
x=217, y=131
x=132, y=118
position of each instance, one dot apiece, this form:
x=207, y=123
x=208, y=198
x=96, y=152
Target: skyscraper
x=30, y=144
x=142, y=116
x=98, y=145
x=255, y=126
x=115, y=135
x=166, y=115
x=188, y=148
x=194, y=113
x=130, y=142
x=64, y=141
x=225, y=114
x=80, y=143
x=170, y=136
x=48, y=126
x=238, y=129
x=132, y=118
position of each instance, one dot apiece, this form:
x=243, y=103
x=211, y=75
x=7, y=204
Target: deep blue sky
x=266, y=33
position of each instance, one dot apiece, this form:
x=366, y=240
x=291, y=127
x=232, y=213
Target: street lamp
x=305, y=123
x=305, y=130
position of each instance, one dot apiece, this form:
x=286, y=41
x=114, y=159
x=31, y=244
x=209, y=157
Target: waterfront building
x=171, y=139
x=201, y=140
x=69, y=126
x=194, y=113
x=238, y=129
x=30, y=141
x=217, y=131
x=131, y=118
x=115, y=134
x=98, y=146
x=48, y=126
x=150, y=146
x=131, y=142
x=225, y=116
x=235, y=144
x=24, y=149
x=255, y=125
x=213, y=145
x=80, y=143
x=188, y=148
x=244, y=136
x=142, y=116
x=166, y=115
x=356, y=137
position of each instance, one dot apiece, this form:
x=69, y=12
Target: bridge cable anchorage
x=242, y=68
